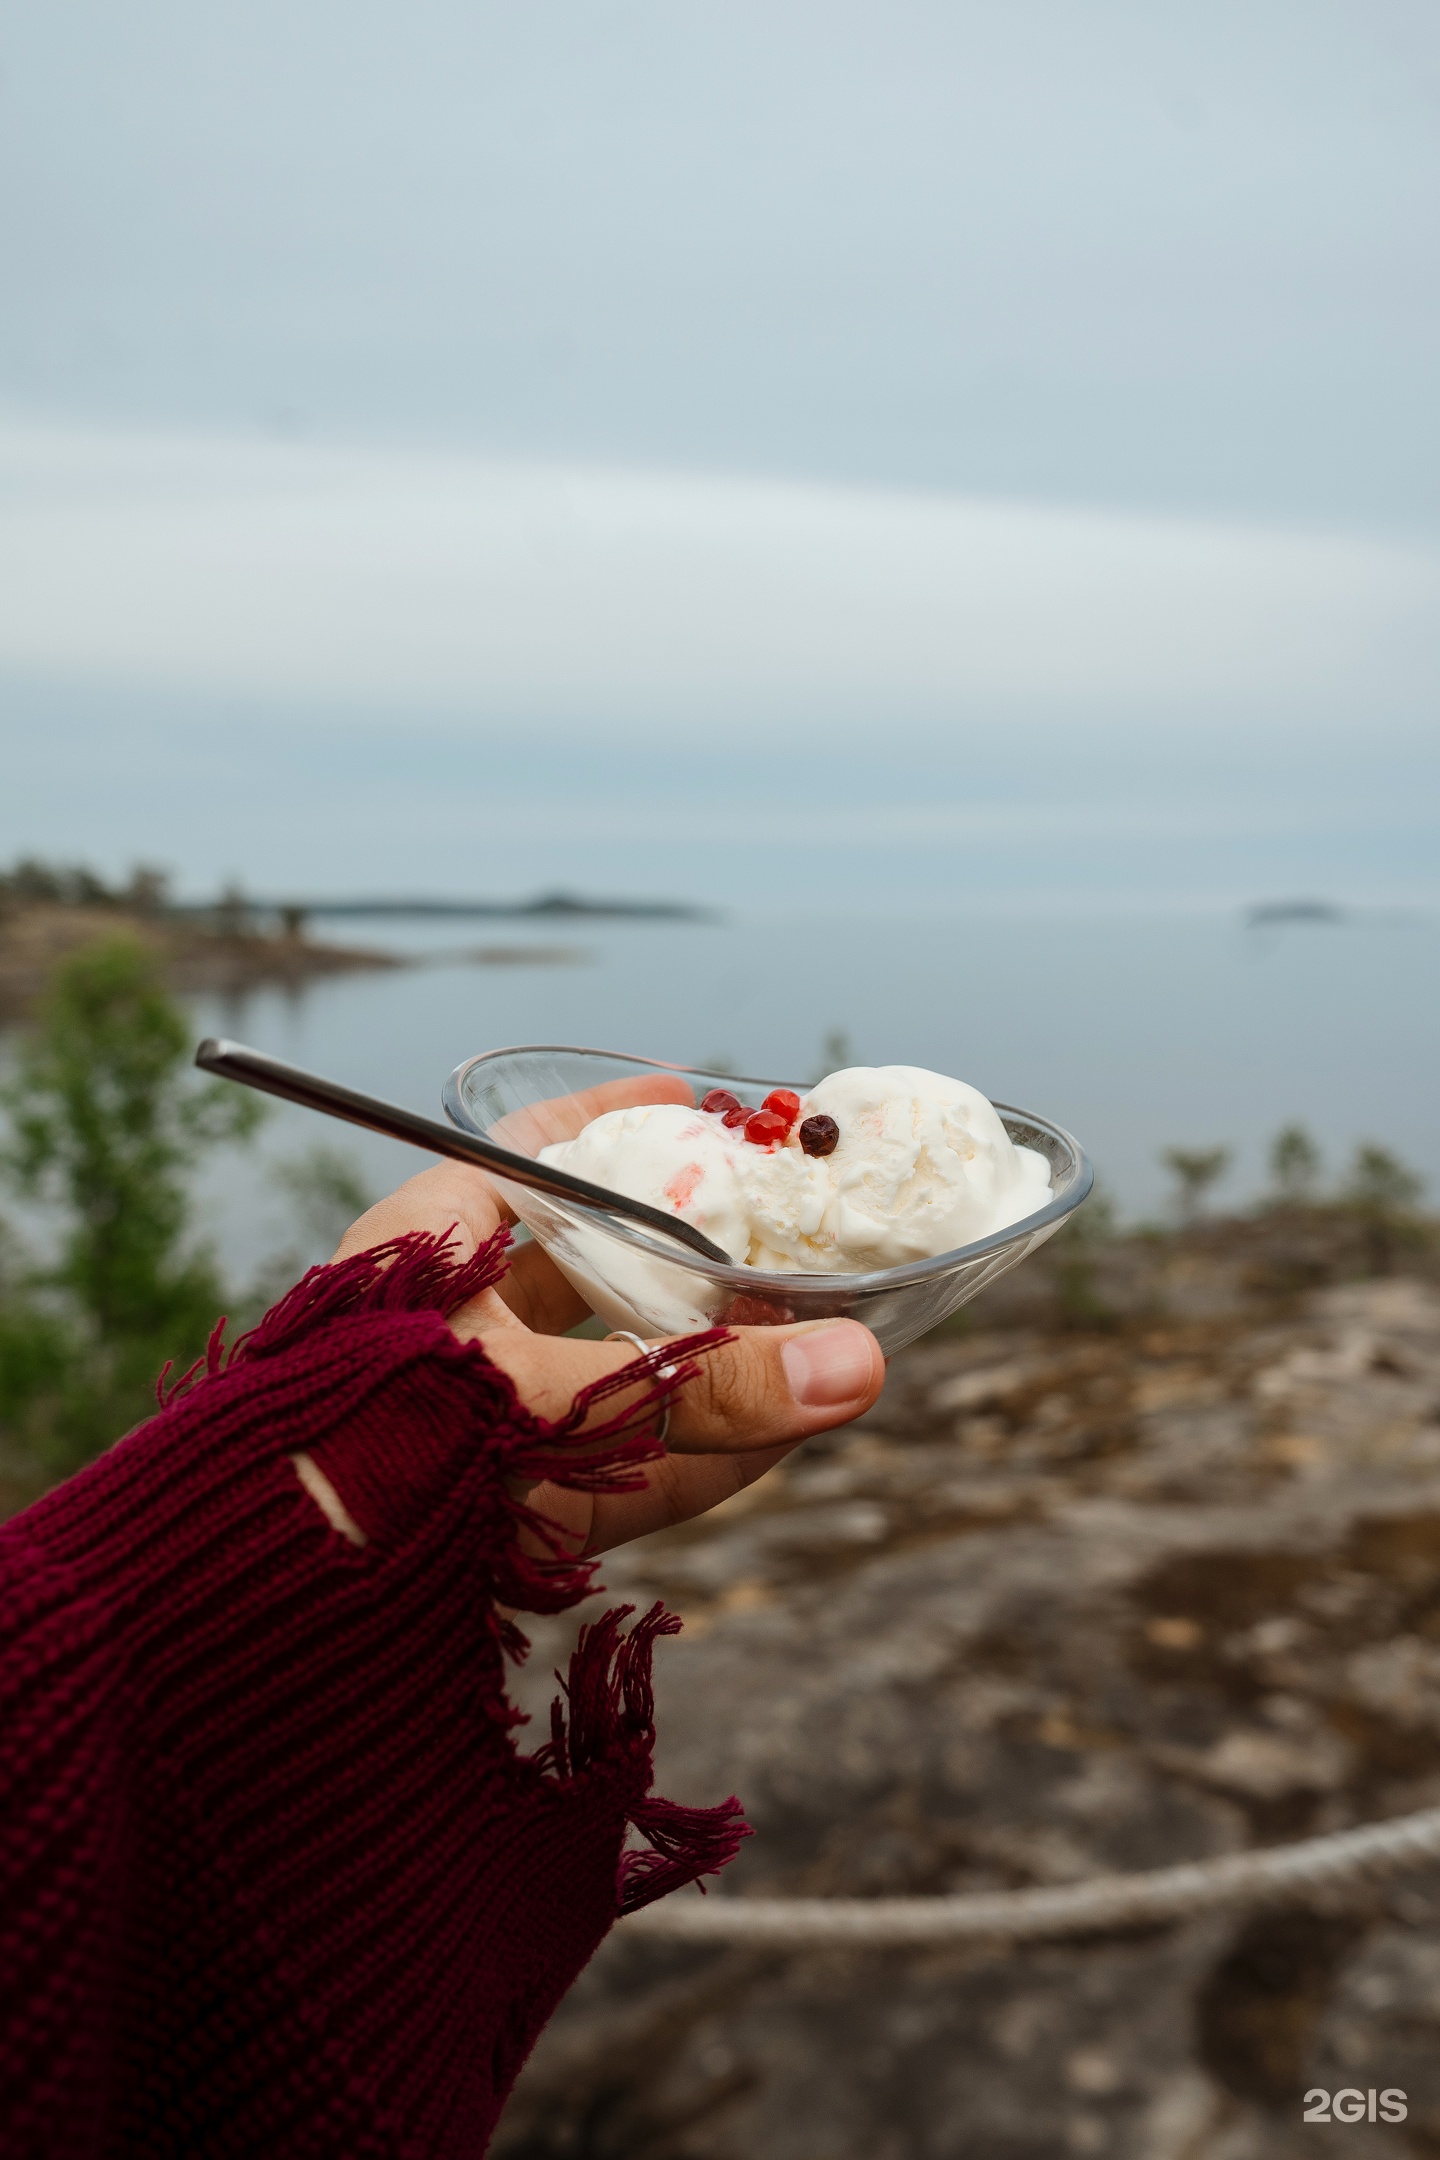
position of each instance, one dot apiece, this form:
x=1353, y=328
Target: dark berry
x=818, y=1135
x=765, y=1128
x=736, y=1117
x=785, y=1104
x=720, y=1099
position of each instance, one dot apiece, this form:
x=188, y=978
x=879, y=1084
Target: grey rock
x=1067, y=1602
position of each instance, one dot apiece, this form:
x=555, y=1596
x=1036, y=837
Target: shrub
x=104, y=1125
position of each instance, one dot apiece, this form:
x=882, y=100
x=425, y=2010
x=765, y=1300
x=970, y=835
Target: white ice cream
x=922, y=1165
x=678, y=1159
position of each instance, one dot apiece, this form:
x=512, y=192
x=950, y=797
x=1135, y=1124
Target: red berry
x=785, y=1103
x=736, y=1117
x=765, y=1128
x=720, y=1099
x=818, y=1135
x=745, y=1310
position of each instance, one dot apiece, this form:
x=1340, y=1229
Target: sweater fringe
x=610, y=1694
x=412, y=1273
x=604, y=1727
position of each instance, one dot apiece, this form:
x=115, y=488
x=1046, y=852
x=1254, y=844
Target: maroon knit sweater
x=274, y=1877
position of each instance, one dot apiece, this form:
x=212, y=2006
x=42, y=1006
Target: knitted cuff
x=388, y=1466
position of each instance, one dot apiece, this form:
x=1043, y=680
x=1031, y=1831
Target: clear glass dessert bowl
x=525, y=1099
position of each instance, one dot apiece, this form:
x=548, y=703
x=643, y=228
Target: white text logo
x=1351, y=2105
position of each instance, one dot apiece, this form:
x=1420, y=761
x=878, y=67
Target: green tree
x=1294, y=1166
x=1195, y=1170
x=36, y=1350
x=1383, y=1192
x=104, y=1124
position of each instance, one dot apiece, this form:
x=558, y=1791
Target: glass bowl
x=522, y=1100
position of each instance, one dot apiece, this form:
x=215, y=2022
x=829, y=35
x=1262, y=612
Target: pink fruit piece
x=681, y=1188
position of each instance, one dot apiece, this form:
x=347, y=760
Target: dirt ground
x=1142, y=1567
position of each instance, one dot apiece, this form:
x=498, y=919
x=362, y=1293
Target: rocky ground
x=1143, y=1567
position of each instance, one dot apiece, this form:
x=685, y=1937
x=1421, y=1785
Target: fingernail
x=829, y=1365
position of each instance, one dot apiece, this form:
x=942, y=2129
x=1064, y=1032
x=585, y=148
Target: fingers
x=532, y=1287
x=677, y=1488
x=450, y=1193
x=777, y=1384
x=537, y=1293
x=764, y=1387
x=560, y=1117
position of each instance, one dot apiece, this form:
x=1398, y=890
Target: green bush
x=1295, y=1166
x=104, y=1125
x=1194, y=1170
x=1384, y=1194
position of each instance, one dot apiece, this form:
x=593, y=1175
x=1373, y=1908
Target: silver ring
x=666, y=1372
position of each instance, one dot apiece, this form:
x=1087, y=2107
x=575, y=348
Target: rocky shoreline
x=35, y=937
x=1141, y=1568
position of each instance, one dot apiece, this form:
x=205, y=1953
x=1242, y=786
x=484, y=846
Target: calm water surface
x=1135, y=1033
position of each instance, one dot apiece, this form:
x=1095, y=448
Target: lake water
x=1136, y=1032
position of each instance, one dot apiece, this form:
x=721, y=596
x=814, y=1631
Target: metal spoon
x=272, y=1076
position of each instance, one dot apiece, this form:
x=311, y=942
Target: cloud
x=456, y=585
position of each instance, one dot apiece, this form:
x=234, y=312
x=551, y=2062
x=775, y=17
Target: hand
x=752, y=1402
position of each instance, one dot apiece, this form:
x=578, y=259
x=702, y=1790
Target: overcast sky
x=1030, y=405
x=1109, y=249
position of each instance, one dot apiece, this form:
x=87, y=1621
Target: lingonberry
x=765, y=1128
x=720, y=1099
x=818, y=1135
x=785, y=1103
x=736, y=1117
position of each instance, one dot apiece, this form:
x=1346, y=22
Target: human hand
x=751, y=1402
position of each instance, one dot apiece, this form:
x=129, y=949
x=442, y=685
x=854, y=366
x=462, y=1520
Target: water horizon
x=1136, y=1032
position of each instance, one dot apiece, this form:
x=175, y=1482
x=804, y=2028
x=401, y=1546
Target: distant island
x=293, y=913
x=1328, y=914
x=1271, y=914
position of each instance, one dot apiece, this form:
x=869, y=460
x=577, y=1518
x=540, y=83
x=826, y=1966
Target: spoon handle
x=272, y=1076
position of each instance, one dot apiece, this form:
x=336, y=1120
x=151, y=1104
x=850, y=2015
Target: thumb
x=764, y=1386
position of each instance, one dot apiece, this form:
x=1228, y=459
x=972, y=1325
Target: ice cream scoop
x=670, y=1156
x=917, y=1164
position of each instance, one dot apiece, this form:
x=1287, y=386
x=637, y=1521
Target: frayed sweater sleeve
x=274, y=1876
